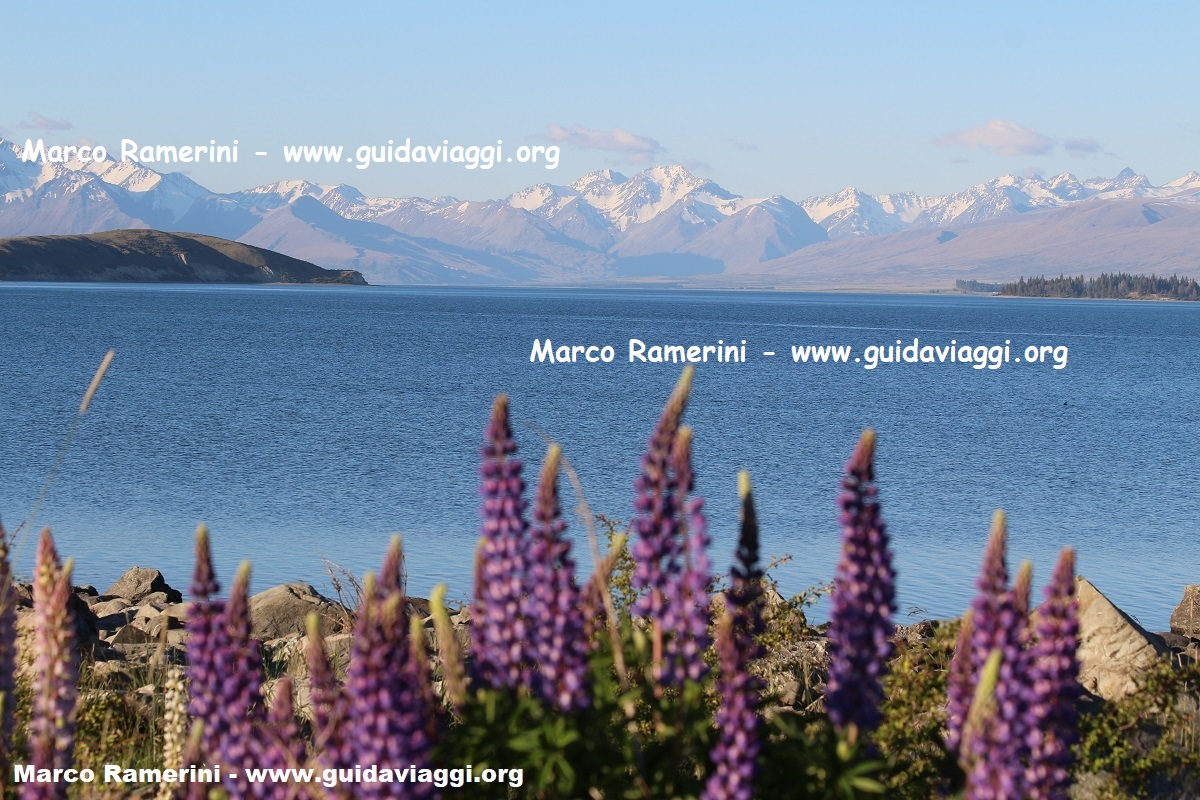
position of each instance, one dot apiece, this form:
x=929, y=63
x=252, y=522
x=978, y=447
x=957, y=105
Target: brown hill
x=149, y=256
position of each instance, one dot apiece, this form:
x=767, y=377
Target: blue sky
x=763, y=98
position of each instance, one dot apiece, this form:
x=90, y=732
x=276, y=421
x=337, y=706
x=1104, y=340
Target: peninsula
x=150, y=256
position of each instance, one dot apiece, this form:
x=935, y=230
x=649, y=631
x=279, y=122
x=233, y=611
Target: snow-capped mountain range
x=662, y=221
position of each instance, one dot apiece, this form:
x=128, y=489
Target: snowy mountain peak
x=1189, y=181
x=602, y=180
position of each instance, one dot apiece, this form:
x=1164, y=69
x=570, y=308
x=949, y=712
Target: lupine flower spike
x=205, y=625
x=175, y=728
x=55, y=670
x=992, y=586
x=978, y=757
x=735, y=756
x=558, y=636
x=453, y=675
x=959, y=682
x=1054, y=687
x=1001, y=627
x=1011, y=726
x=282, y=745
x=864, y=600
x=657, y=549
x=500, y=643
x=328, y=702
x=686, y=617
x=390, y=716
x=8, y=654
x=241, y=681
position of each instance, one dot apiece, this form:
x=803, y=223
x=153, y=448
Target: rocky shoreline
x=137, y=625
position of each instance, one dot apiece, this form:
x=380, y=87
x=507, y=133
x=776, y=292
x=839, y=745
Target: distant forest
x=1115, y=286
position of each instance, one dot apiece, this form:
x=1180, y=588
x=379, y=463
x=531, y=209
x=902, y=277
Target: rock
x=87, y=630
x=139, y=582
x=112, y=622
x=149, y=653
x=1114, y=651
x=1185, y=619
x=131, y=634
x=106, y=607
x=163, y=622
x=1177, y=642
x=283, y=610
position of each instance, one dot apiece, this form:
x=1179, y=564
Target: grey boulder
x=139, y=583
x=283, y=611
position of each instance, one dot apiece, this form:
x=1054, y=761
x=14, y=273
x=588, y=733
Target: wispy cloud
x=1002, y=137
x=38, y=122
x=635, y=148
x=1082, y=148
x=749, y=148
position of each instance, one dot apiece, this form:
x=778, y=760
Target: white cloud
x=634, y=147
x=1002, y=137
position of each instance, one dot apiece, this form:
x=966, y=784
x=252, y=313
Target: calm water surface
x=302, y=423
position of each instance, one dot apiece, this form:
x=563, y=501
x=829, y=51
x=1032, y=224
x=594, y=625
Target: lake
x=303, y=423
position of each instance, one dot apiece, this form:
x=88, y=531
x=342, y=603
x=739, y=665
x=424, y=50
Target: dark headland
x=149, y=256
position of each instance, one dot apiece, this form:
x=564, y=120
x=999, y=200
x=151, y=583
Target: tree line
x=1117, y=285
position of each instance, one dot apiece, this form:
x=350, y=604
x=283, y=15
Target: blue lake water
x=301, y=422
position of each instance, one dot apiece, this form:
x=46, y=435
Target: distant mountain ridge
x=660, y=222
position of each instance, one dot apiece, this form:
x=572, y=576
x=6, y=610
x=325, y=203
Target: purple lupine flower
x=735, y=756
x=388, y=715
x=55, y=670
x=325, y=695
x=281, y=745
x=8, y=653
x=686, y=618
x=205, y=642
x=241, y=678
x=500, y=639
x=224, y=670
x=986, y=611
x=959, y=682
x=1012, y=693
x=1000, y=626
x=864, y=600
x=557, y=629
x=657, y=550
x=982, y=757
x=1054, y=686
x=425, y=705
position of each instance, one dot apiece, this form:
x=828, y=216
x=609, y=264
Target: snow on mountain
x=1188, y=184
x=661, y=221
x=1125, y=181
x=851, y=213
x=18, y=178
x=626, y=202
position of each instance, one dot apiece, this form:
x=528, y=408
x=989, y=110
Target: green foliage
x=809, y=760
x=914, y=718
x=620, y=582
x=786, y=620
x=1148, y=740
x=118, y=728
x=632, y=741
